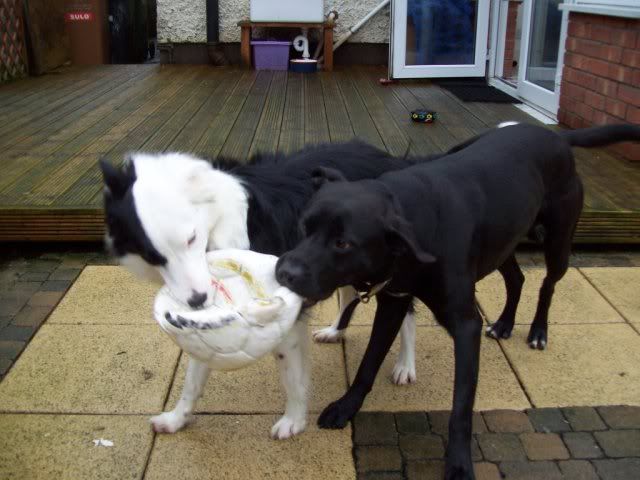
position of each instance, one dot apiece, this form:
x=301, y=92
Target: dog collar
x=377, y=288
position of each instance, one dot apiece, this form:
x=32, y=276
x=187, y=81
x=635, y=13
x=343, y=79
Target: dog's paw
x=338, y=413
x=537, y=338
x=169, y=422
x=403, y=374
x=499, y=330
x=287, y=427
x=328, y=335
x=459, y=466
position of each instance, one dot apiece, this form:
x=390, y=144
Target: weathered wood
x=267, y=133
x=50, y=187
x=292, y=133
x=316, y=128
x=238, y=142
x=361, y=122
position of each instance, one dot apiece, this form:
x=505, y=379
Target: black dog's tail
x=601, y=136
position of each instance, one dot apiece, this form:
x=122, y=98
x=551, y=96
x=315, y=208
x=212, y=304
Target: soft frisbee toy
x=251, y=316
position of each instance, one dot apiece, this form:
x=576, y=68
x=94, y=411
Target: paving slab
x=61, y=446
x=585, y=365
x=324, y=313
x=239, y=447
x=620, y=287
x=497, y=388
x=98, y=369
x=106, y=295
x=575, y=301
x=257, y=388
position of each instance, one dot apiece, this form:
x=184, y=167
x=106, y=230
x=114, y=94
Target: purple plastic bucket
x=270, y=55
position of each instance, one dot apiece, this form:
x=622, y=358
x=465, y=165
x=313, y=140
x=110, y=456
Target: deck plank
x=267, y=133
x=238, y=142
x=340, y=129
x=221, y=124
x=316, y=127
x=292, y=132
x=363, y=126
x=59, y=125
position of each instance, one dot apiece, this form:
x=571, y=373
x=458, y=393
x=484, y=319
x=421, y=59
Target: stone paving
x=96, y=366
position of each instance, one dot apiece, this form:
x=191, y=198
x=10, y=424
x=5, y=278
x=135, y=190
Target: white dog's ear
x=199, y=183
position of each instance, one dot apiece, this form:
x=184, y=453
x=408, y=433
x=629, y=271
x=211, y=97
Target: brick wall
x=601, y=77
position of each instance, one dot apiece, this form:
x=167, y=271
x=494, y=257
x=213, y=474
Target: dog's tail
x=601, y=136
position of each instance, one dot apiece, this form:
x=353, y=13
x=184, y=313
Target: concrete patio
x=99, y=367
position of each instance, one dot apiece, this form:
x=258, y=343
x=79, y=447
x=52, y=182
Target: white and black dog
x=165, y=211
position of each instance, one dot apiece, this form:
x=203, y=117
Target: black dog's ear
x=322, y=175
x=403, y=239
x=116, y=181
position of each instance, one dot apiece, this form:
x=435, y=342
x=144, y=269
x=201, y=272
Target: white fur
x=177, y=195
x=507, y=124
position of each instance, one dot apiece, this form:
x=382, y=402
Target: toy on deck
x=423, y=116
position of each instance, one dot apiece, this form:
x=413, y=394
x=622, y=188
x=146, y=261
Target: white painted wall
x=185, y=20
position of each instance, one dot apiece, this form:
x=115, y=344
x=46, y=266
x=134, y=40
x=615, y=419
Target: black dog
x=432, y=231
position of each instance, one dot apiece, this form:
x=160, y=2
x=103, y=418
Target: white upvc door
x=542, y=31
x=438, y=38
x=528, y=40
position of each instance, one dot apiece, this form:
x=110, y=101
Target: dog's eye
x=342, y=244
x=192, y=239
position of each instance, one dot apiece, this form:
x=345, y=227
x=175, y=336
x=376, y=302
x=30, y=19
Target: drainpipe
x=216, y=55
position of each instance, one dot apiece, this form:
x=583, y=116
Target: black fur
x=123, y=224
x=433, y=230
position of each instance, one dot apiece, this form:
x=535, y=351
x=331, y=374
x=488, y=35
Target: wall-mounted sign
x=79, y=16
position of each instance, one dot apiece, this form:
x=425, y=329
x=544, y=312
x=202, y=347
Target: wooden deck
x=55, y=128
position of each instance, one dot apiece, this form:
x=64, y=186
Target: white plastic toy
x=251, y=316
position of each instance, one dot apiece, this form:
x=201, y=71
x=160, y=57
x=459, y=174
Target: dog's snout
x=197, y=299
x=288, y=273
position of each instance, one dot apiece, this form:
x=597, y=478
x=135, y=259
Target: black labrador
x=432, y=231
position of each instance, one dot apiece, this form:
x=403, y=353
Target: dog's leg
x=513, y=280
x=194, y=382
x=347, y=301
x=387, y=322
x=465, y=325
x=293, y=361
x=560, y=220
x=404, y=371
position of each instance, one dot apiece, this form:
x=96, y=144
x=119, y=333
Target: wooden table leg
x=328, y=49
x=245, y=46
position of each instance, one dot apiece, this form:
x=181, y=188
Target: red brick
x=636, y=76
x=594, y=100
x=602, y=118
x=574, y=60
x=631, y=58
x=587, y=80
x=616, y=108
x=608, y=88
x=600, y=33
x=595, y=66
x=573, y=91
x=620, y=73
x=585, y=111
x=633, y=115
x=599, y=50
x=577, y=29
x=624, y=38
x=629, y=94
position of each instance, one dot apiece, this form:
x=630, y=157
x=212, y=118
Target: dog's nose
x=287, y=273
x=197, y=299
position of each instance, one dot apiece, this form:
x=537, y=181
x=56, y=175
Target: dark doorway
x=132, y=25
